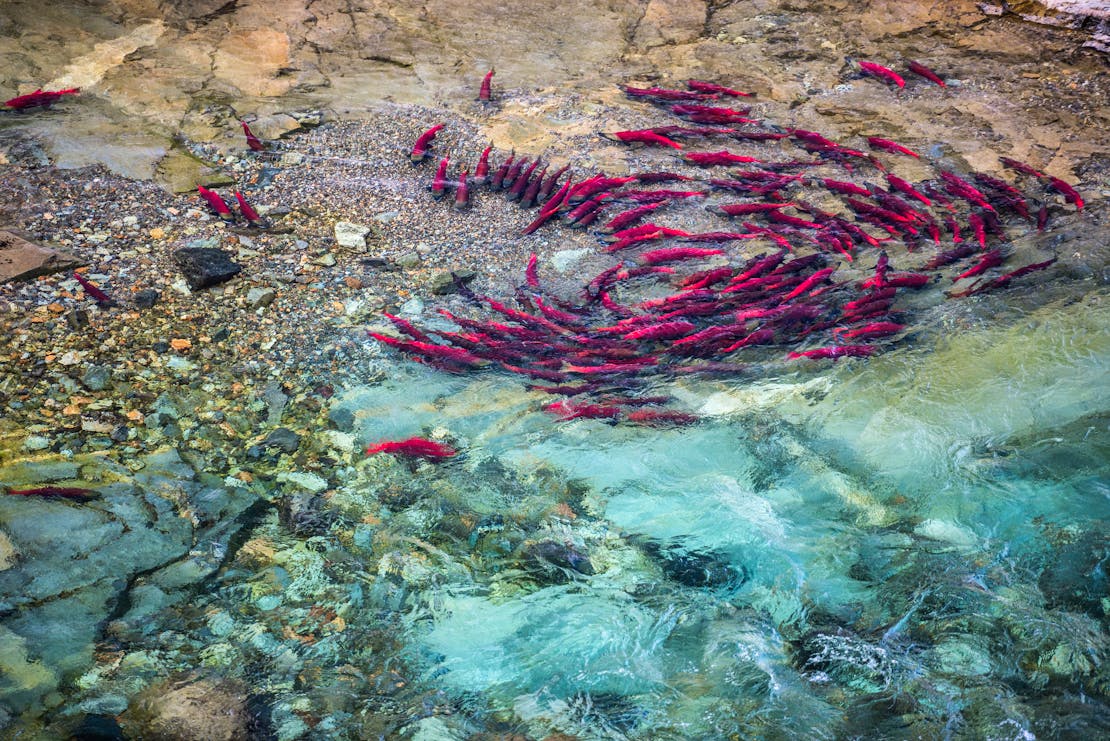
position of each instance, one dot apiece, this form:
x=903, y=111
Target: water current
x=911, y=546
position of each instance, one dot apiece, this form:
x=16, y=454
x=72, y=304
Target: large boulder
x=205, y=266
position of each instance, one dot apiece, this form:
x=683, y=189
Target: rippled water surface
x=911, y=546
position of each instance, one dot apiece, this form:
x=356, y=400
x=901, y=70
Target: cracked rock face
x=152, y=70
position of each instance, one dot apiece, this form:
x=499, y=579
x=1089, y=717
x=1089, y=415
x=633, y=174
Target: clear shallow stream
x=909, y=546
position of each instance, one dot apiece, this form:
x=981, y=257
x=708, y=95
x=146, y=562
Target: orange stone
x=179, y=344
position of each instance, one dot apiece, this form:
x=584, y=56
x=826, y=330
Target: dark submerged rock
x=554, y=561
x=694, y=568
x=98, y=728
x=284, y=439
x=1077, y=576
x=305, y=514
x=206, y=266
x=146, y=298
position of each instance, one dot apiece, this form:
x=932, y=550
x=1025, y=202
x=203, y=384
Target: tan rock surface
x=21, y=259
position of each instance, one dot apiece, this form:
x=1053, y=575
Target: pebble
x=259, y=297
x=36, y=442
x=351, y=235
x=90, y=425
x=283, y=439
x=327, y=260
x=408, y=260
x=146, y=298
x=180, y=364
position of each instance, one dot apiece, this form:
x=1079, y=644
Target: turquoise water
x=911, y=546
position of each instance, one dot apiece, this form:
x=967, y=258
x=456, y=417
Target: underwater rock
x=96, y=727
x=448, y=281
x=260, y=297
x=180, y=171
x=1076, y=577
x=694, y=568
x=564, y=260
x=304, y=514
x=308, y=481
x=852, y=661
x=888, y=715
x=195, y=709
x=553, y=560
x=23, y=682
x=146, y=298
x=284, y=439
x=8, y=553
x=96, y=377
x=275, y=126
x=205, y=266
x=946, y=532
x=962, y=657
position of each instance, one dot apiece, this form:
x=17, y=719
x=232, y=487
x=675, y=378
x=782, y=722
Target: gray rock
x=275, y=400
x=146, y=298
x=307, y=481
x=350, y=235
x=408, y=260
x=21, y=259
x=8, y=553
x=96, y=377
x=205, y=266
x=36, y=442
x=414, y=307
x=342, y=417
x=259, y=297
x=447, y=281
x=284, y=439
x=327, y=260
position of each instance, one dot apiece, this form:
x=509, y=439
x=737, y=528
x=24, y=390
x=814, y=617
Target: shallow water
x=883, y=533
